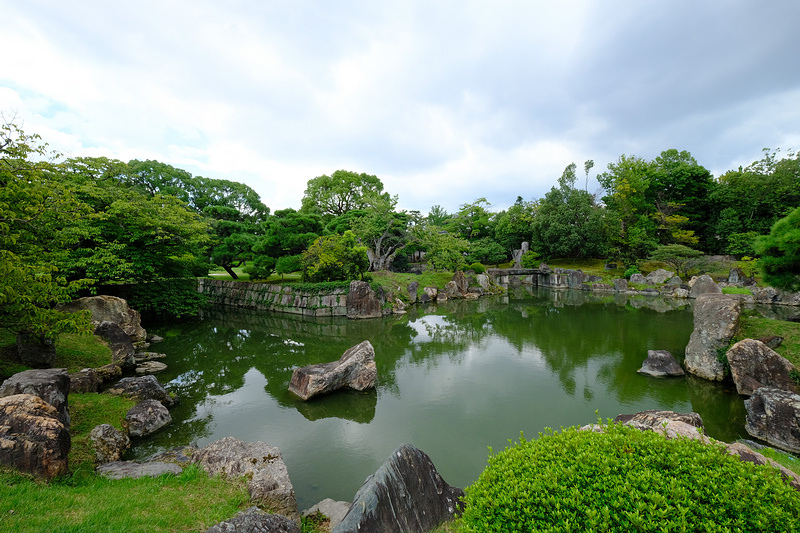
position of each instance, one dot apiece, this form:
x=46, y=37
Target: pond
x=453, y=379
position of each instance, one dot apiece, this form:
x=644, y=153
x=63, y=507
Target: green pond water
x=453, y=379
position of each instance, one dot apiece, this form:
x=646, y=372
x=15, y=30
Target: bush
x=173, y=297
x=626, y=480
x=633, y=269
x=530, y=259
x=477, y=268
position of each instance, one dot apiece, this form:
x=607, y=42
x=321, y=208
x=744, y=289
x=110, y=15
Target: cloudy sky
x=444, y=101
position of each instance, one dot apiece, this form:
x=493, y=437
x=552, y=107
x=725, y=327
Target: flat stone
x=130, y=469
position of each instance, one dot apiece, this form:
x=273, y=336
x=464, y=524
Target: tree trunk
x=229, y=270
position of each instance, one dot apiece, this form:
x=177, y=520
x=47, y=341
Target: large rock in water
x=716, y=321
x=257, y=521
x=406, y=494
x=660, y=363
x=355, y=369
x=32, y=438
x=267, y=477
x=362, y=301
x=110, y=308
x=755, y=365
x=773, y=415
x=51, y=385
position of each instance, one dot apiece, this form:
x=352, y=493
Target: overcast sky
x=445, y=102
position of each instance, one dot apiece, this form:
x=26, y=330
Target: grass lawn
x=751, y=327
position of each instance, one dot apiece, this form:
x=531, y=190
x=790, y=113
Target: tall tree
x=285, y=234
x=340, y=192
x=382, y=230
x=513, y=226
x=472, y=221
x=780, y=253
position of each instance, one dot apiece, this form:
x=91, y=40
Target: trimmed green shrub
x=633, y=269
x=626, y=480
x=530, y=259
x=477, y=268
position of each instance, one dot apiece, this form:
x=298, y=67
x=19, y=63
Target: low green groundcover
x=626, y=480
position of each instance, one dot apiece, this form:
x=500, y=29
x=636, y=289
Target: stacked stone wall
x=272, y=297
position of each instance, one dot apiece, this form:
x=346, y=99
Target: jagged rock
x=108, y=443
x=32, y=438
x=773, y=341
x=332, y=510
x=36, y=350
x=130, y=469
x=181, y=456
x=620, y=284
x=362, y=301
x=451, y=290
x=461, y=281
x=110, y=308
x=441, y=296
x=84, y=381
x=429, y=294
x=398, y=307
x=413, y=287
x=638, y=278
x=772, y=416
x=660, y=363
x=736, y=275
x=754, y=364
x=716, y=321
x=122, y=351
x=680, y=292
x=268, y=479
x=747, y=454
x=51, y=385
x=142, y=388
x=406, y=494
x=147, y=417
x=765, y=295
x=256, y=521
x=150, y=367
x=674, y=281
x=704, y=285
x=355, y=369
x=659, y=276
x=483, y=281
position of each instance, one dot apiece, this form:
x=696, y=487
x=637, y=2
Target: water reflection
x=453, y=378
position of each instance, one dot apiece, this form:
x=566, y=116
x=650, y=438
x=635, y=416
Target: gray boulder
x=736, y=275
x=620, y=284
x=147, y=417
x=267, y=477
x=112, y=309
x=130, y=469
x=51, y=385
x=660, y=363
x=452, y=291
x=659, y=276
x=406, y=494
x=122, y=351
x=142, y=388
x=753, y=365
x=655, y=418
x=772, y=416
x=716, y=321
x=356, y=369
x=93, y=379
x=638, y=278
x=32, y=438
x=483, y=281
x=674, y=281
x=108, y=443
x=362, y=301
x=332, y=510
x=773, y=341
x=254, y=520
x=765, y=295
x=429, y=294
x=461, y=281
x=150, y=367
x=413, y=287
x=181, y=456
x=704, y=285
x=36, y=350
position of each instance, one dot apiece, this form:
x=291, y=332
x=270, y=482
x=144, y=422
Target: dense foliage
x=780, y=253
x=626, y=480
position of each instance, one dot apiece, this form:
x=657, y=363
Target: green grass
x=243, y=276
x=758, y=327
x=86, y=412
x=594, y=267
x=73, y=352
x=398, y=282
x=735, y=290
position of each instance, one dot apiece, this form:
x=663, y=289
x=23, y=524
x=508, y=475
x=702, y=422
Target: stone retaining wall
x=272, y=297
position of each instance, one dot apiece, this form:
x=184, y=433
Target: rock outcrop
x=262, y=464
x=406, y=494
x=660, y=364
x=142, y=388
x=108, y=443
x=716, y=321
x=362, y=301
x=147, y=417
x=112, y=309
x=93, y=379
x=413, y=287
x=51, y=385
x=356, y=369
x=704, y=285
x=32, y=438
x=122, y=351
x=773, y=415
x=257, y=521
x=753, y=365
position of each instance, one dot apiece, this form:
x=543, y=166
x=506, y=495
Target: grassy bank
x=756, y=327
